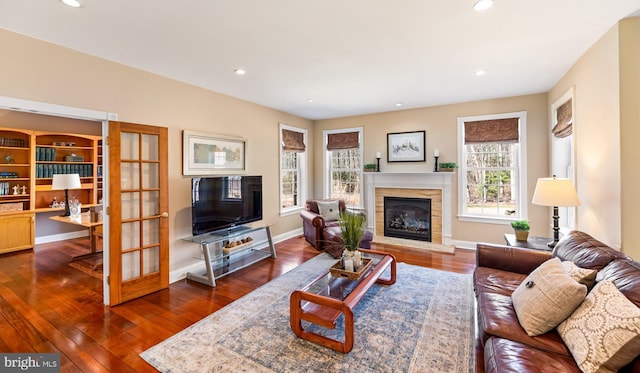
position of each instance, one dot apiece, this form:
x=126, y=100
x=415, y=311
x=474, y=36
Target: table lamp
x=552, y=191
x=66, y=182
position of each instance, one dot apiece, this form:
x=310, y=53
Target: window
x=292, y=168
x=492, y=178
x=343, y=165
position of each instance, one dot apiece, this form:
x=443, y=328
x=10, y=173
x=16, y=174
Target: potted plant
x=448, y=166
x=370, y=167
x=521, y=228
x=352, y=225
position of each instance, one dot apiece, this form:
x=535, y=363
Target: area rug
x=422, y=323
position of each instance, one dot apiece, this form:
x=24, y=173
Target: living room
x=604, y=81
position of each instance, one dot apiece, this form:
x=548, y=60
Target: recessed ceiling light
x=72, y=3
x=481, y=72
x=398, y=104
x=311, y=101
x=240, y=71
x=481, y=5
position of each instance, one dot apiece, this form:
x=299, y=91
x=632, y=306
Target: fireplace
x=408, y=218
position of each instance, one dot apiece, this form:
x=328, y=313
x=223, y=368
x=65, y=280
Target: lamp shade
x=552, y=191
x=65, y=181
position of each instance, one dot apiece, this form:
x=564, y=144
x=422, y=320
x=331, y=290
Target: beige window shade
x=494, y=130
x=293, y=141
x=346, y=140
x=564, y=121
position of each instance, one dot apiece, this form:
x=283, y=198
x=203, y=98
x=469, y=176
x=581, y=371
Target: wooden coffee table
x=326, y=298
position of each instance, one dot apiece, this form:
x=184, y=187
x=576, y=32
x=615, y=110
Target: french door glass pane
x=130, y=146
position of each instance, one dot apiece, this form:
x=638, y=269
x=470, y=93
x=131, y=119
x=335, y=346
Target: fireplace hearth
x=408, y=218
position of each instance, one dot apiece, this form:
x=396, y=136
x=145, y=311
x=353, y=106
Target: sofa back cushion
x=625, y=274
x=585, y=251
x=312, y=205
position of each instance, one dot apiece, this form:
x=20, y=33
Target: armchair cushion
x=329, y=210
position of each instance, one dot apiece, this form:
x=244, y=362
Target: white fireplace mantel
x=411, y=180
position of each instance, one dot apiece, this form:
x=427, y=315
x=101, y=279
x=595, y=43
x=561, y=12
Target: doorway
x=38, y=116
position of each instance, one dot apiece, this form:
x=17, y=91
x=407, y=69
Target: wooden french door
x=138, y=211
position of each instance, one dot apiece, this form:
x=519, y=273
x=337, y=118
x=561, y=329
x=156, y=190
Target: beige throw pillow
x=603, y=334
x=330, y=210
x=546, y=298
x=582, y=275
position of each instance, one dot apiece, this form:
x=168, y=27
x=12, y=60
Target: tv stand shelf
x=220, y=258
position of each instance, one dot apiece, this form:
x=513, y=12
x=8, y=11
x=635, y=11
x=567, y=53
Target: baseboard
x=62, y=236
x=464, y=244
x=181, y=273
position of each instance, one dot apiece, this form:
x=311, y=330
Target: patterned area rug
x=422, y=323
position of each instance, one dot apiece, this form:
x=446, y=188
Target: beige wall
x=606, y=129
x=38, y=71
x=440, y=124
x=629, y=44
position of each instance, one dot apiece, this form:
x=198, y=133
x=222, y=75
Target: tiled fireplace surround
x=434, y=185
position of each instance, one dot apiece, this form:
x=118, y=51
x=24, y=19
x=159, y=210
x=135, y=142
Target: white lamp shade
x=66, y=181
x=551, y=191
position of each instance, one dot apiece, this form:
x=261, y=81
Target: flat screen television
x=224, y=202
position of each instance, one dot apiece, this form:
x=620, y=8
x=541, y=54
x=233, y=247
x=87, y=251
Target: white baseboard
x=464, y=244
x=181, y=273
x=61, y=236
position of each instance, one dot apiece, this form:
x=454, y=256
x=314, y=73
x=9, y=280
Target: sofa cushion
x=496, y=317
x=496, y=281
x=503, y=355
x=546, y=298
x=585, y=251
x=329, y=209
x=584, y=276
x=603, y=334
x=625, y=274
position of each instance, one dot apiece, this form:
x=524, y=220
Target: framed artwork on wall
x=206, y=154
x=406, y=146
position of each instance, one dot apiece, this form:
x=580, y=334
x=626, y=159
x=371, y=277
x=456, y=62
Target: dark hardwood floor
x=48, y=306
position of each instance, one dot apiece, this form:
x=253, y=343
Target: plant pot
x=447, y=169
x=522, y=235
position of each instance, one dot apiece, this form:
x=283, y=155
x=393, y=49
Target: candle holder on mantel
x=377, y=164
x=435, y=169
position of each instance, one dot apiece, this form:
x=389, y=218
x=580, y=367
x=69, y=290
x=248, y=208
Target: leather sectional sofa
x=502, y=343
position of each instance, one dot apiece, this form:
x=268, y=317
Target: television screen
x=223, y=202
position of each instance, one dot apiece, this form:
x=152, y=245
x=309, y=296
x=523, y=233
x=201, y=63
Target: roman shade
x=345, y=140
x=564, y=120
x=293, y=141
x=493, y=130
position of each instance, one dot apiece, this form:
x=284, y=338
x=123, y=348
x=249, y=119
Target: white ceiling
x=351, y=56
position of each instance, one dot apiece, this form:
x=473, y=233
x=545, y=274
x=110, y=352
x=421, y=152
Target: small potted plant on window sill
x=448, y=166
x=370, y=167
x=521, y=228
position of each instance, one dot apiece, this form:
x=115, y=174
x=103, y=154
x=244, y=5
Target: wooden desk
x=537, y=243
x=95, y=228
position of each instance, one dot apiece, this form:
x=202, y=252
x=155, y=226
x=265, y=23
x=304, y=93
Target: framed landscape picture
x=406, y=146
x=205, y=154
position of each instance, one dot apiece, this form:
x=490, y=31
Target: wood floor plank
x=48, y=306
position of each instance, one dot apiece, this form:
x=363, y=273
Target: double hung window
x=343, y=165
x=492, y=184
x=293, y=160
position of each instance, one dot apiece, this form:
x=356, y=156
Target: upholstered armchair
x=318, y=215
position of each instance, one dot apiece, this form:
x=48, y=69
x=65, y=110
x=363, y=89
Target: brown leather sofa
x=502, y=344
x=321, y=232
x=313, y=224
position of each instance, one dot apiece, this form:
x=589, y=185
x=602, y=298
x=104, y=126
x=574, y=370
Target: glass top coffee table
x=323, y=300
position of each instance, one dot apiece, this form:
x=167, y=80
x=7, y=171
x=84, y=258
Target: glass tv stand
x=229, y=250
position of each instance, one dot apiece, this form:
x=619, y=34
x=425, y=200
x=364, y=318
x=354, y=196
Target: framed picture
x=205, y=154
x=406, y=146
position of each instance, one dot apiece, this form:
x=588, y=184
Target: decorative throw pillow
x=329, y=210
x=582, y=275
x=603, y=334
x=546, y=298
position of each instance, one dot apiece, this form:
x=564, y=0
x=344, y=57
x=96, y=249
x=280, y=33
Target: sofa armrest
x=315, y=219
x=507, y=258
